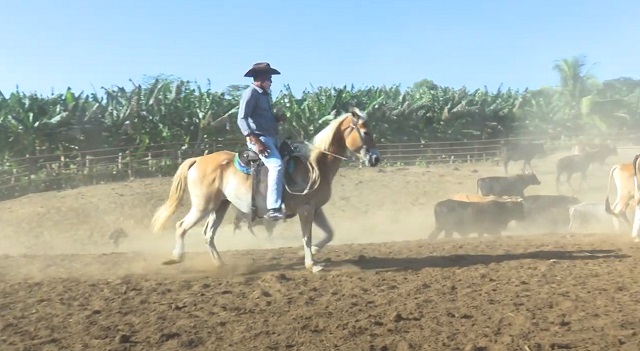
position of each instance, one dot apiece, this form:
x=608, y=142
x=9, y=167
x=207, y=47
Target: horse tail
x=178, y=187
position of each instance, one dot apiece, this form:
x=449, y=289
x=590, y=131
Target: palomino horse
x=214, y=182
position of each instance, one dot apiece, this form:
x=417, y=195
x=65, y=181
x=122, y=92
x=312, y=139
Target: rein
x=325, y=151
x=314, y=177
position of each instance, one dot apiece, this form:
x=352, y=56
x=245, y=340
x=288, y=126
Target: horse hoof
x=315, y=268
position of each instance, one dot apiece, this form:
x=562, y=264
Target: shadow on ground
x=449, y=261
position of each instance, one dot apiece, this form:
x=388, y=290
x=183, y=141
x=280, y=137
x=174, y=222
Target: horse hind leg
x=195, y=215
x=213, y=223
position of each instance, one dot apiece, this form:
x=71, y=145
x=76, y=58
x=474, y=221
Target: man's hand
x=260, y=147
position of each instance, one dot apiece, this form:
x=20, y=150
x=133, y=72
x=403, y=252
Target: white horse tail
x=178, y=187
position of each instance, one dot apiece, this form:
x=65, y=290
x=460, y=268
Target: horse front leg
x=306, y=224
x=321, y=221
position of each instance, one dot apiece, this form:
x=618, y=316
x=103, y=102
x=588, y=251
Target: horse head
x=359, y=139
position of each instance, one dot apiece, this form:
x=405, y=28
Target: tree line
x=167, y=110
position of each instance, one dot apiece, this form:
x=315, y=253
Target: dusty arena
x=65, y=285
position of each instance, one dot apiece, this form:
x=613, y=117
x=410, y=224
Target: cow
x=464, y=217
x=622, y=174
x=546, y=212
x=525, y=152
x=580, y=163
x=513, y=185
x=607, y=148
x=582, y=146
x=480, y=198
x=587, y=213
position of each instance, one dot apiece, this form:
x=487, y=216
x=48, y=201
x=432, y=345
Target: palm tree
x=576, y=83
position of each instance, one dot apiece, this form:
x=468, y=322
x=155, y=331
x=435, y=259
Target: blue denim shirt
x=255, y=114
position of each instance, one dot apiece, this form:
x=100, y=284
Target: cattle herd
x=502, y=200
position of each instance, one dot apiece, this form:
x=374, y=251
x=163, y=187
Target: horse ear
x=357, y=114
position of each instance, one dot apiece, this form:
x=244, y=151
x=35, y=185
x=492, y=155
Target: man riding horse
x=259, y=125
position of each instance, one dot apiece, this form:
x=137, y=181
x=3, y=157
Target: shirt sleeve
x=247, y=103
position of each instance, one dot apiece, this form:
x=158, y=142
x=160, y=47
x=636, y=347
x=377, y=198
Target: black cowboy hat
x=261, y=68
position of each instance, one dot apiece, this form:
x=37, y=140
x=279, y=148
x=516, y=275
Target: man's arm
x=247, y=103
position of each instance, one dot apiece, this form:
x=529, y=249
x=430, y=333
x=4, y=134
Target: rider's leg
x=273, y=162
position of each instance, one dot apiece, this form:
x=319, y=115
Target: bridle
x=314, y=175
x=352, y=126
x=355, y=120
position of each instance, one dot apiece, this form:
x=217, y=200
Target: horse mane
x=322, y=140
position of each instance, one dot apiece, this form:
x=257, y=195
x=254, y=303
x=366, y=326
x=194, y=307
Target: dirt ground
x=65, y=286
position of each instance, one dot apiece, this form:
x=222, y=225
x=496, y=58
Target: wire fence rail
x=33, y=174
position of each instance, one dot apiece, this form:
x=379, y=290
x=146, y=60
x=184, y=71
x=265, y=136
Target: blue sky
x=55, y=44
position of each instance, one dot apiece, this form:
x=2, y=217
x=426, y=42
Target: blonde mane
x=322, y=140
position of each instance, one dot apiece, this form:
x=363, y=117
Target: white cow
x=588, y=213
x=635, y=230
x=622, y=174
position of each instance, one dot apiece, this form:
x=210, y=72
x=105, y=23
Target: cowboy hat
x=261, y=68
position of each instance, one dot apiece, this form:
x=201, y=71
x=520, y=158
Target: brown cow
x=582, y=148
x=580, y=163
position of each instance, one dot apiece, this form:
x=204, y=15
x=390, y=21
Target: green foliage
x=165, y=109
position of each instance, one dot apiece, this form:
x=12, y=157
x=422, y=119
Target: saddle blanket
x=242, y=168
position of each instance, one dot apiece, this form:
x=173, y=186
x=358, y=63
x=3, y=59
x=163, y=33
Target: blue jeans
x=273, y=162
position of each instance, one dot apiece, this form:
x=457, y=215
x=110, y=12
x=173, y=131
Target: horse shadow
x=468, y=260
x=375, y=263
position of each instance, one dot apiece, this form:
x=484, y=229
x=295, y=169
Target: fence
x=41, y=173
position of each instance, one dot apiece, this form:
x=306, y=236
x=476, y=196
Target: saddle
x=249, y=162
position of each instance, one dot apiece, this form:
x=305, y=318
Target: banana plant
x=166, y=109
